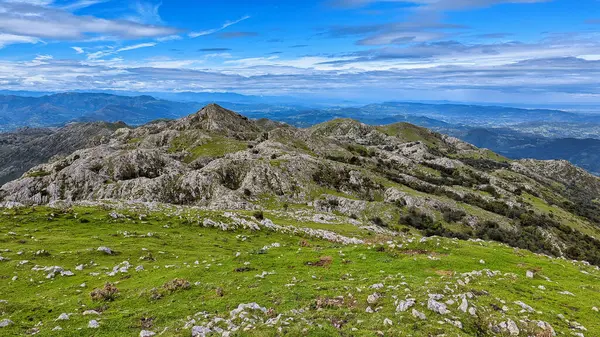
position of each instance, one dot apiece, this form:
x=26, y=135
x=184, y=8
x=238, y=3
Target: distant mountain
x=58, y=109
x=584, y=153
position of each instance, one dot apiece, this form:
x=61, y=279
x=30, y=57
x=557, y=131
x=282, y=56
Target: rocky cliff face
x=391, y=175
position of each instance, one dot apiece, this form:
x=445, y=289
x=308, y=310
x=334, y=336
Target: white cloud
x=215, y=30
x=77, y=5
x=146, y=12
x=78, y=50
x=25, y=19
x=6, y=39
x=169, y=38
x=112, y=50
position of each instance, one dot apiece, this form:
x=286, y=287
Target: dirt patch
x=448, y=273
x=324, y=261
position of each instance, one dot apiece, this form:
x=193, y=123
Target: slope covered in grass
x=182, y=271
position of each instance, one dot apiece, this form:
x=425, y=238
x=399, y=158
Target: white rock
x=91, y=312
x=464, y=305
x=57, y=328
x=63, y=317
x=512, y=327
x=405, y=305
x=373, y=298
x=529, y=274
x=524, y=306
x=418, y=314
x=472, y=311
x=546, y=327
x=436, y=306
x=105, y=250
x=388, y=321
x=93, y=324
x=147, y=333
x=200, y=331
x=568, y=293
x=6, y=322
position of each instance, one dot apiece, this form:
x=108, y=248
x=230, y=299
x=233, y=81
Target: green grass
x=216, y=147
x=205, y=146
x=38, y=174
x=177, y=240
x=410, y=133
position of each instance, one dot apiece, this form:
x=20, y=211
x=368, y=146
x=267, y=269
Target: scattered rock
x=405, y=305
x=512, y=327
x=91, y=312
x=436, y=306
x=93, y=324
x=464, y=305
x=418, y=314
x=63, y=317
x=524, y=306
x=105, y=250
x=373, y=298
x=6, y=322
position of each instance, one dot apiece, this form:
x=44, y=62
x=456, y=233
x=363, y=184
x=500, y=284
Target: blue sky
x=505, y=51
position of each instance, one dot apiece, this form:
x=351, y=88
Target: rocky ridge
x=397, y=176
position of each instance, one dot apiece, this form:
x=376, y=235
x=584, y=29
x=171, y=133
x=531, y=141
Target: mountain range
x=512, y=132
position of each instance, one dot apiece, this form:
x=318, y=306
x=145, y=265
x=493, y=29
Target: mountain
x=28, y=147
x=584, y=153
x=219, y=159
x=58, y=109
x=216, y=224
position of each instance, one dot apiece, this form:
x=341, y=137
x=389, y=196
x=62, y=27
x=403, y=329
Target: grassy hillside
x=305, y=282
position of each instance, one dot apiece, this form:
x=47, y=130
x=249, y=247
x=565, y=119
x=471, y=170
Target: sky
x=502, y=51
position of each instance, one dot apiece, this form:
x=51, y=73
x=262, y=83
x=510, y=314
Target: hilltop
x=342, y=227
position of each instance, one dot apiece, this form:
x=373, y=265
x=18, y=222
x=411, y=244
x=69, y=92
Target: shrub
x=177, y=284
x=107, y=293
x=258, y=215
x=453, y=215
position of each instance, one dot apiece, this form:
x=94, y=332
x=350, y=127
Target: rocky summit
x=216, y=224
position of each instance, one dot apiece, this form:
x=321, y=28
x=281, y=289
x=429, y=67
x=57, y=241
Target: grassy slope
x=424, y=267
